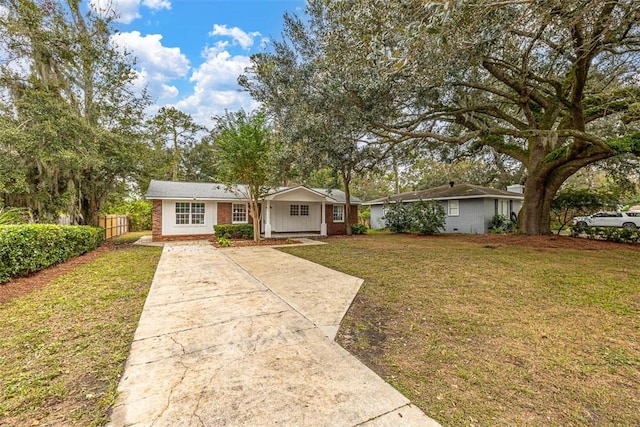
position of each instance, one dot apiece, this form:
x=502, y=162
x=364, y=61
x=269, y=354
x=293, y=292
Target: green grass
x=62, y=348
x=496, y=334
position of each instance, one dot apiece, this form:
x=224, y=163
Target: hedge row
x=234, y=231
x=29, y=248
x=611, y=234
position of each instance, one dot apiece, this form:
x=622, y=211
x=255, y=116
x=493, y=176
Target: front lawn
x=62, y=346
x=497, y=330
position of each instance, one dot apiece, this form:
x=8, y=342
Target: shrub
x=398, y=217
x=424, y=217
x=359, y=229
x=29, y=248
x=611, y=234
x=427, y=217
x=234, y=231
x=500, y=224
x=223, y=240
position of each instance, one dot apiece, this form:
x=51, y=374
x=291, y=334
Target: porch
x=296, y=212
x=294, y=235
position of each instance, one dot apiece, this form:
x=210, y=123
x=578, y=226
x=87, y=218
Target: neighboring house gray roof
x=337, y=195
x=448, y=192
x=217, y=191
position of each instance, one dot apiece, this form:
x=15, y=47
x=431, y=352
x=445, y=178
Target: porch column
x=267, y=225
x=323, y=224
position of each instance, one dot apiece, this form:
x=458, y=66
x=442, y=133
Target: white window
x=294, y=210
x=453, y=208
x=239, y=213
x=304, y=210
x=197, y=213
x=338, y=213
x=503, y=208
x=189, y=213
x=182, y=213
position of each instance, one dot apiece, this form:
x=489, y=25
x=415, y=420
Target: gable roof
x=216, y=191
x=448, y=192
x=193, y=190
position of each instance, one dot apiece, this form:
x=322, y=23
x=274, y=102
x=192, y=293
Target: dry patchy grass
x=497, y=330
x=62, y=347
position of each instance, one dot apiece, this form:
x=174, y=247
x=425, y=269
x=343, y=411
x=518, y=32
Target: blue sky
x=190, y=52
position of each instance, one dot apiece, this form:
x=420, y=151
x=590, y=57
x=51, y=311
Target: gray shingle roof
x=462, y=191
x=190, y=190
x=217, y=191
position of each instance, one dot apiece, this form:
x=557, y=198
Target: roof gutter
x=487, y=196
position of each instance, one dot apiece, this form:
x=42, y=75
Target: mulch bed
x=262, y=242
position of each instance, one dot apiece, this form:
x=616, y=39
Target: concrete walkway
x=238, y=337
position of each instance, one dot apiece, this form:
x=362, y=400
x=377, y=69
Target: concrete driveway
x=244, y=337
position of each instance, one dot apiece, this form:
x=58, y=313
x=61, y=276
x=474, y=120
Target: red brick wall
x=353, y=218
x=224, y=213
x=339, y=227
x=156, y=220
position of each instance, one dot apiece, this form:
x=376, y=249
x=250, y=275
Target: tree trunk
x=346, y=180
x=534, y=219
x=254, y=211
x=256, y=224
x=541, y=187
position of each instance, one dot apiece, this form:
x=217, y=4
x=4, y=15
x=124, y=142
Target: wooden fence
x=114, y=225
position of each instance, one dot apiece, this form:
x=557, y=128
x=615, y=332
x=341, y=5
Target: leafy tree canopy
x=245, y=152
x=551, y=84
x=69, y=121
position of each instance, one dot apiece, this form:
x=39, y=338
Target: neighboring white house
x=188, y=209
x=469, y=208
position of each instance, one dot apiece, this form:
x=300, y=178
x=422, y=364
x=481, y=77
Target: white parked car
x=629, y=219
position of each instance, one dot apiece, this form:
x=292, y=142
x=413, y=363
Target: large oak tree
x=553, y=84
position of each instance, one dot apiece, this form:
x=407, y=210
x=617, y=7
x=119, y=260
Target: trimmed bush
x=234, y=231
x=29, y=248
x=611, y=234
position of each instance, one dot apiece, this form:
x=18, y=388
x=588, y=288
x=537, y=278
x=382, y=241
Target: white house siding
x=283, y=222
x=377, y=217
x=170, y=228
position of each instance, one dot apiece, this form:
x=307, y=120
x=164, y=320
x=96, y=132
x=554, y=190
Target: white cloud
x=157, y=4
x=216, y=87
x=168, y=92
x=152, y=55
x=125, y=11
x=155, y=64
x=245, y=40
